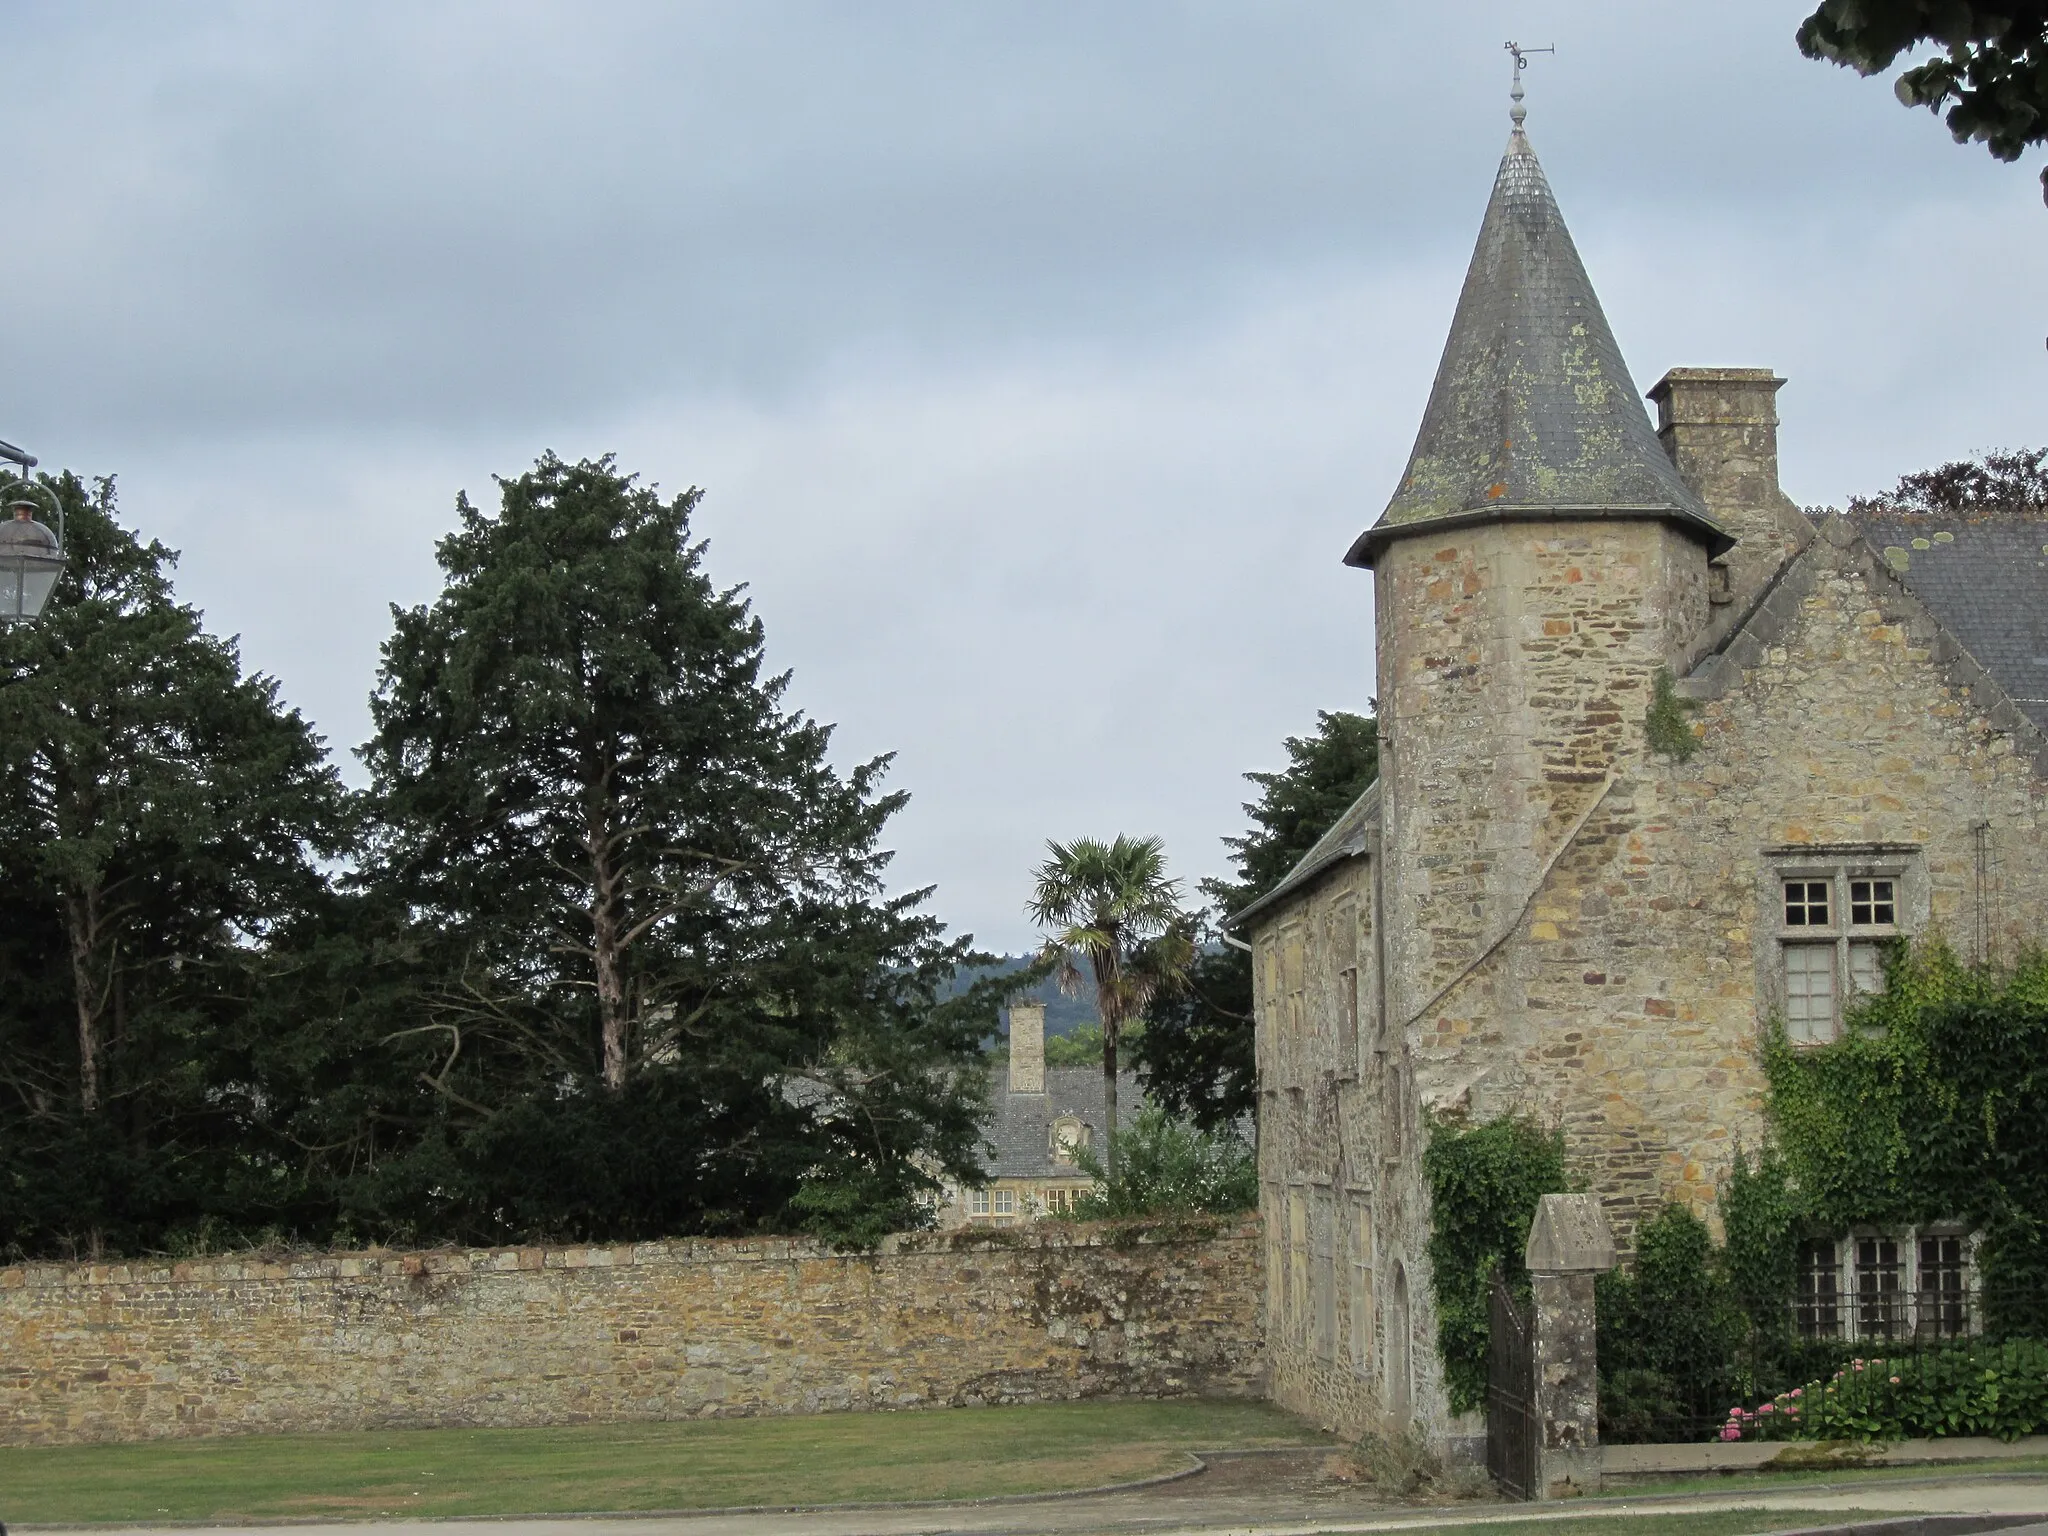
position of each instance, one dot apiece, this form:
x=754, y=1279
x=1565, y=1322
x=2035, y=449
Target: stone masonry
x=523, y=1336
x=1537, y=912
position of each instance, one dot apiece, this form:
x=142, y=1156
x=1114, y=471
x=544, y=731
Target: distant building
x=1039, y=1120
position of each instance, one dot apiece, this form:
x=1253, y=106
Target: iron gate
x=1511, y=1432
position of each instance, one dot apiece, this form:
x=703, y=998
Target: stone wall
x=523, y=1336
x=1622, y=996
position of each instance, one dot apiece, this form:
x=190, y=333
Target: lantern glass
x=28, y=584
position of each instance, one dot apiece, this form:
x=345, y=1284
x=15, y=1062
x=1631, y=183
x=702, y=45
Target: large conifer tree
x=661, y=987
x=163, y=822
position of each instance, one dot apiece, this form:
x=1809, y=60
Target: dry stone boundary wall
x=521, y=1336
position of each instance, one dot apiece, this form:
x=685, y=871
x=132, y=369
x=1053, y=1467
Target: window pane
x=1806, y=904
x=1943, y=1303
x=1871, y=901
x=1810, y=991
x=1879, y=1273
x=1866, y=969
x=1006, y=1203
x=1817, y=1309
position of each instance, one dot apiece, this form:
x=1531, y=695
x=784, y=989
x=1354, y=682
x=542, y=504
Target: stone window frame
x=1864, y=1310
x=1297, y=1264
x=1836, y=865
x=1347, y=1024
x=978, y=1202
x=1359, y=1259
x=1060, y=1150
x=1322, y=1248
x=1273, y=1200
x=1005, y=1202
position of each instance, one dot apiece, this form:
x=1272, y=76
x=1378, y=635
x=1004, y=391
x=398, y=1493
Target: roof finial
x=1518, y=112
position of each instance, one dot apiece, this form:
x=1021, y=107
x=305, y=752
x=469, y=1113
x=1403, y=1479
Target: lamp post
x=31, y=556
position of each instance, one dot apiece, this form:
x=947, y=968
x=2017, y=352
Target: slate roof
x=1533, y=413
x=1985, y=580
x=1345, y=840
x=1020, y=1121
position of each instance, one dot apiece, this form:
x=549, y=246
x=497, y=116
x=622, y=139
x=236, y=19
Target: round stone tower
x=1538, y=565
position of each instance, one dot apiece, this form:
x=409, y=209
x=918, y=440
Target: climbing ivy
x=1666, y=721
x=1485, y=1182
x=1933, y=1105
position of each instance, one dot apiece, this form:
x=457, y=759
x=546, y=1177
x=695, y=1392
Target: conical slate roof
x=1533, y=413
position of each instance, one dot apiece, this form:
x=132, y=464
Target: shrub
x=1975, y=1388
x=1670, y=1329
x=1484, y=1185
x=1166, y=1167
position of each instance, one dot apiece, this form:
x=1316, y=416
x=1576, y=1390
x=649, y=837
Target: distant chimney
x=1720, y=427
x=1027, y=1047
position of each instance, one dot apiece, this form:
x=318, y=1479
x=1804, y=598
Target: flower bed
x=2000, y=1390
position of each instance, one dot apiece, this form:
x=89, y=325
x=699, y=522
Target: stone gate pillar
x=1569, y=1244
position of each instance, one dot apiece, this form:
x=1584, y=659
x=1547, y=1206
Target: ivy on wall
x=1485, y=1182
x=1934, y=1105
x=1667, y=721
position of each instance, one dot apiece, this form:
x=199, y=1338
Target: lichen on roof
x=1533, y=411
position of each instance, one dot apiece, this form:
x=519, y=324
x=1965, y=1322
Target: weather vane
x=1521, y=57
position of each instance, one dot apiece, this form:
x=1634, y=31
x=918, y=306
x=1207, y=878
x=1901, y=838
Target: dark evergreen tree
x=164, y=823
x=660, y=988
x=2013, y=483
x=1196, y=1055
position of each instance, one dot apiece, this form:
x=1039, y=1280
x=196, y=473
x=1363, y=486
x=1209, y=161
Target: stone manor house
x=1534, y=911
x=1040, y=1117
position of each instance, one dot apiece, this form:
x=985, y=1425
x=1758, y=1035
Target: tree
x=1196, y=1056
x=661, y=987
x=2013, y=482
x=1113, y=905
x=1992, y=74
x=164, y=824
x=1166, y=1167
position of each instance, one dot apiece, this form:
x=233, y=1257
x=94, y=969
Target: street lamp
x=31, y=556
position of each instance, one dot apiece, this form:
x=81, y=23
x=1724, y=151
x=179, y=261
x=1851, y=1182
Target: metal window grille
x=1880, y=1288
x=1818, y=1307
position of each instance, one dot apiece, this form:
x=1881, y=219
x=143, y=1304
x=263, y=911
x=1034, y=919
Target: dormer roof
x=1533, y=414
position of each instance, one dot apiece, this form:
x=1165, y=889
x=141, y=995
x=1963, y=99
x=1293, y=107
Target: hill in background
x=1063, y=1014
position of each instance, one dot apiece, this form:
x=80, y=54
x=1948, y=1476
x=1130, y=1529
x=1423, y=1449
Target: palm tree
x=1113, y=905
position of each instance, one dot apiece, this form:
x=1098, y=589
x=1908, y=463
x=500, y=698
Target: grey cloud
x=1015, y=344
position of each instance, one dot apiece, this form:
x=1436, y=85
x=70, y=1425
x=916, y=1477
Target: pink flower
x=1797, y=1392
x=1730, y=1432
x=1859, y=1365
x=1767, y=1408
x=1895, y=1381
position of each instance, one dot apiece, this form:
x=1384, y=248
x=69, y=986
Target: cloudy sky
x=1038, y=360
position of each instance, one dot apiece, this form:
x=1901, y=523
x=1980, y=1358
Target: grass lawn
x=952, y=1453
x=1746, y=1482
x=1718, y=1522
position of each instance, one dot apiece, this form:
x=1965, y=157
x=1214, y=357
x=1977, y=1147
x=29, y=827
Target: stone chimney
x=1720, y=427
x=1027, y=1047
